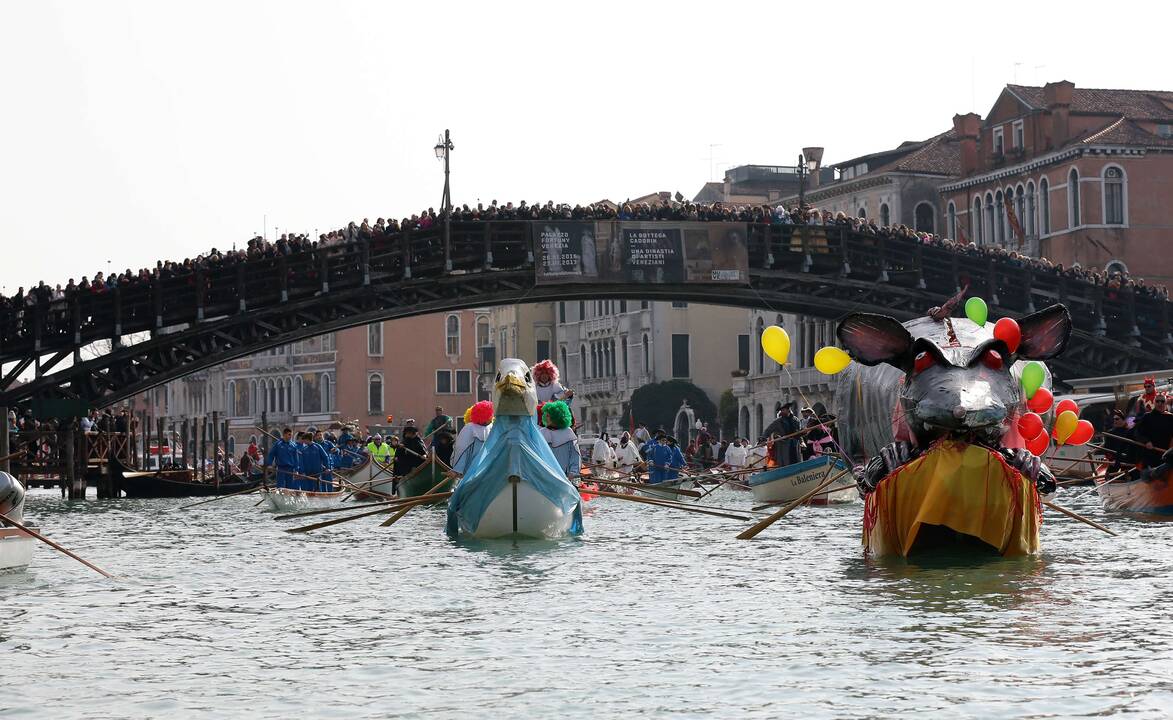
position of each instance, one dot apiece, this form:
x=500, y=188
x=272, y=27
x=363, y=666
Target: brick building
x=1076, y=175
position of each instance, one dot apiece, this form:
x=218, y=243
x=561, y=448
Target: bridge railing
x=832, y=251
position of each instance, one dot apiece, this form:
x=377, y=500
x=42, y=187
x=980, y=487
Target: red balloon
x=1007, y=331
x=1065, y=405
x=1039, y=445
x=1041, y=402
x=1082, y=433
x=1030, y=425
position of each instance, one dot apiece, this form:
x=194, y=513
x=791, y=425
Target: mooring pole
x=215, y=446
x=4, y=430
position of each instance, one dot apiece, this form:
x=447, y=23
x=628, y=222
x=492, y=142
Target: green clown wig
x=556, y=414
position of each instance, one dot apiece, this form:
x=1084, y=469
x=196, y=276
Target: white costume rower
x=478, y=421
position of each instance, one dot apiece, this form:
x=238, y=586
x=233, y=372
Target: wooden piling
x=77, y=488
x=215, y=446
x=227, y=455
x=186, y=439
x=142, y=458
x=265, y=435
x=200, y=449
x=159, y=425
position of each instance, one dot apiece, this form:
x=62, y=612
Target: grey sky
x=138, y=131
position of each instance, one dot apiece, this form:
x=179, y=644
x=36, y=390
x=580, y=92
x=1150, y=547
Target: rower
x=314, y=462
x=659, y=456
x=287, y=457
x=380, y=451
x=328, y=452
x=561, y=438
x=676, y=460
x=626, y=455
x=412, y=452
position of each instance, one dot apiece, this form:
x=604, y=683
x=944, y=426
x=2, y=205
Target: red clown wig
x=545, y=372
x=481, y=413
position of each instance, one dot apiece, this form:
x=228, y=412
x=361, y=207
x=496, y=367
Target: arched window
x=483, y=330
x=255, y=402
x=375, y=394
x=975, y=222
x=885, y=217
x=503, y=341
x=583, y=359
x=564, y=366
x=281, y=406
x=1114, y=195
x=594, y=360
x=1031, y=224
x=951, y=221
x=1044, y=207
x=924, y=217
x=759, y=328
x=231, y=398
x=272, y=395
x=612, y=356
x=1073, y=215
x=1020, y=207
x=647, y=356
x=743, y=422
x=999, y=218
x=759, y=421
x=298, y=396
x=327, y=390
x=623, y=345
x=862, y=213
x=231, y=442
x=1116, y=266
x=452, y=335
x=375, y=339
x=988, y=222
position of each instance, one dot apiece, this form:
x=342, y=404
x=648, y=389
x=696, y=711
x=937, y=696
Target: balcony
x=595, y=386
x=599, y=326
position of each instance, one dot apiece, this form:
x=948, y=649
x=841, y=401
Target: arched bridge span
x=213, y=315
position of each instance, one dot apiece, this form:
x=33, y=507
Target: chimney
x=966, y=126
x=1058, y=98
x=814, y=161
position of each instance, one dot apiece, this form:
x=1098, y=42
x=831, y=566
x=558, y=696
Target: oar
x=220, y=497
x=681, y=503
x=1130, y=441
x=1078, y=517
x=340, y=509
x=421, y=500
x=644, y=486
x=825, y=492
x=767, y=522
x=1097, y=486
x=50, y=543
x=730, y=475
x=665, y=504
x=395, y=518
x=1087, y=456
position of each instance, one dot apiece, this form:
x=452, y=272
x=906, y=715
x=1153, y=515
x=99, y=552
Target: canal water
x=653, y=613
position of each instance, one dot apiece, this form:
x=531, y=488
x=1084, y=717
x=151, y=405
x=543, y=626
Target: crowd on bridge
x=55, y=299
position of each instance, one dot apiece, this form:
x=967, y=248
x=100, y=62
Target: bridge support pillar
x=75, y=481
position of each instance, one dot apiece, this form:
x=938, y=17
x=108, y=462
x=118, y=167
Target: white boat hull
x=790, y=487
x=667, y=494
x=525, y=514
x=16, y=550
x=284, y=500
x=374, y=481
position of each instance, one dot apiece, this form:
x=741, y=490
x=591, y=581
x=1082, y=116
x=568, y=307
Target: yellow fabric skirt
x=963, y=487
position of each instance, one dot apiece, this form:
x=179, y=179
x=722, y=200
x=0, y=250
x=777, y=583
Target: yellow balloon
x=831, y=360
x=1065, y=424
x=776, y=343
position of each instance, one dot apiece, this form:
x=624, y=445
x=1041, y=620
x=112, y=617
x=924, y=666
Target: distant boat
x=790, y=482
x=179, y=483
x=663, y=490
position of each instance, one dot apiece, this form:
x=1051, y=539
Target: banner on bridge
x=641, y=252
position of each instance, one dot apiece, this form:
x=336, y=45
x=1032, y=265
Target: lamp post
x=444, y=150
x=801, y=180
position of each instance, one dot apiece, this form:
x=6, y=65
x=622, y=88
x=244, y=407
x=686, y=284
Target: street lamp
x=444, y=148
x=808, y=162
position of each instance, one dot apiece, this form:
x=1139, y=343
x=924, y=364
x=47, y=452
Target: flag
x=1014, y=224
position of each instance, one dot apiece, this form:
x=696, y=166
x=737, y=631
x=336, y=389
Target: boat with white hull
x=16, y=546
x=285, y=500
x=790, y=482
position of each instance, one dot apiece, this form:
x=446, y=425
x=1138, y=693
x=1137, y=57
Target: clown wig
x=481, y=413
x=556, y=414
x=545, y=372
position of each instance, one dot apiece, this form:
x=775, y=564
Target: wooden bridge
x=213, y=315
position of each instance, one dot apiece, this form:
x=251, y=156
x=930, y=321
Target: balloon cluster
x=1068, y=428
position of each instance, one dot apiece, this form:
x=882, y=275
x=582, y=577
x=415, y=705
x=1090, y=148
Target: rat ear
x=1044, y=333
x=872, y=339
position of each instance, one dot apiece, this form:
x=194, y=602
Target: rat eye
x=498, y=377
x=992, y=359
x=924, y=360
x=528, y=378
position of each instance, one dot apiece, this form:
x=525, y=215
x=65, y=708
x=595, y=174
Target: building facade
x=609, y=348
x=1075, y=175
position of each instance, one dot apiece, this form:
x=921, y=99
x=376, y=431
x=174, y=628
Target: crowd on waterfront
x=56, y=297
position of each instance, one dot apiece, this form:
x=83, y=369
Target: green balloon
x=1032, y=378
x=976, y=310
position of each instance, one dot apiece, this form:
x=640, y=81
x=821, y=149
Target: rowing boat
x=283, y=500
x=663, y=490
x=954, y=494
x=16, y=549
x=790, y=482
x=1144, y=495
